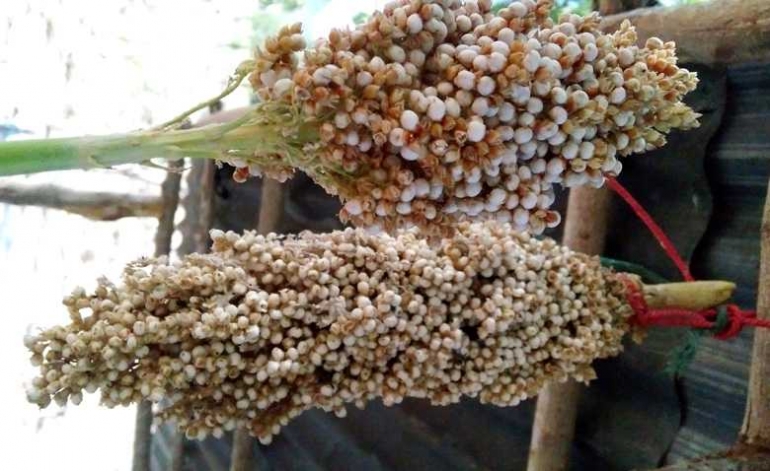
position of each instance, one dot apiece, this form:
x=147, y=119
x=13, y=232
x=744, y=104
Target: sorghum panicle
x=265, y=328
x=434, y=112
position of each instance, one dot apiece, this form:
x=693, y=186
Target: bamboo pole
x=270, y=209
x=585, y=228
x=756, y=423
x=170, y=199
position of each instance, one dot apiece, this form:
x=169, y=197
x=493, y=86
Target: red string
x=645, y=317
x=657, y=231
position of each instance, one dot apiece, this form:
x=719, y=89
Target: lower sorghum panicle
x=264, y=328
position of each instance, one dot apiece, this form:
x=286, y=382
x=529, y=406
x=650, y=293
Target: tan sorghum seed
x=265, y=328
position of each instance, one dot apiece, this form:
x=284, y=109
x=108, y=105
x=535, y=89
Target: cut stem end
x=695, y=295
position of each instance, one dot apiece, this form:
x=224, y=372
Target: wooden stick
x=585, y=226
x=170, y=198
x=142, y=437
x=199, y=207
x=719, y=32
x=271, y=207
x=611, y=7
x=96, y=205
x=751, y=461
x=242, y=453
x=170, y=194
x=752, y=450
x=756, y=423
x=585, y=229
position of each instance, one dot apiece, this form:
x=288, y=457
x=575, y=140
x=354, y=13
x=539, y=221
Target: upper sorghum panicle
x=433, y=112
x=267, y=327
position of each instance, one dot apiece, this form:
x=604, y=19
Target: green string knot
x=683, y=355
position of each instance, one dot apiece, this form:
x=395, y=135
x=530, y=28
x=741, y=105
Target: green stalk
x=32, y=156
x=42, y=155
x=647, y=275
x=271, y=135
x=258, y=137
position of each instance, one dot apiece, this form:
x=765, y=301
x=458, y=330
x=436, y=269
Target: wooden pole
x=611, y=7
x=270, y=209
x=199, y=207
x=752, y=449
x=585, y=229
x=142, y=437
x=270, y=206
x=756, y=423
x=96, y=205
x=242, y=454
x=170, y=198
x=720, y=32
x=585, y=226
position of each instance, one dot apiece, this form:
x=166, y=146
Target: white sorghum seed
x=507, y=112
x=396, y=53
x=437, y=109
x=414, y=23
x=480, y=106
x=398, y=137
x=586, y=150
x=363, y=78
x=409, y=120
x=412, y=152
x=417, y=57
x=518, y=9
x=555, y=166
x=497, y=62
x=558, y=114
x=570, y=150
x=523, y=135
x=465, y=80
x=534, y=105
x=466, y=56
x=476, y=131
x=282, y=87
x=480, y=63
x=486, y=86
x=559, y=95
x=618, y=96
x=532, y=61
x=452, y=107
x=353, y=207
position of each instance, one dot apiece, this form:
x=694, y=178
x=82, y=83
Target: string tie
x=725, y=322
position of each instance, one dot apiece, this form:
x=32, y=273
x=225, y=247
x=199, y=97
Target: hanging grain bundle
x=265, y=328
